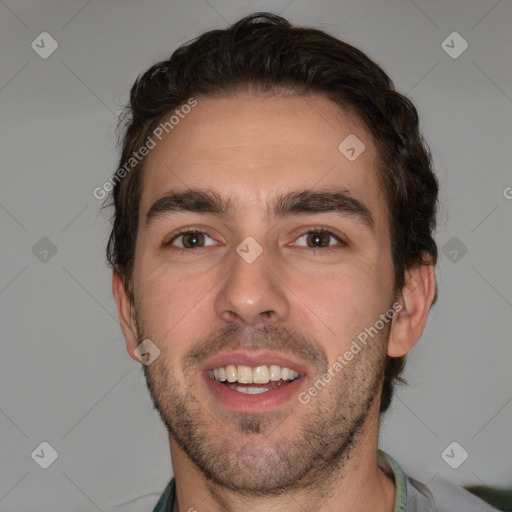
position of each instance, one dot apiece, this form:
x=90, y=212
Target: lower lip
x=261, y=402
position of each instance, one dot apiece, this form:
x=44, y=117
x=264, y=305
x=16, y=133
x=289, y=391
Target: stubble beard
x=272, y=460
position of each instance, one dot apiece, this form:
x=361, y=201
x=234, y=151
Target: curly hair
x=264, y=51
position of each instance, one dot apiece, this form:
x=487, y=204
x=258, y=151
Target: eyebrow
x=307, y=201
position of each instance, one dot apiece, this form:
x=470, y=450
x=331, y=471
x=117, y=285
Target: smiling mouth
x=253, y=380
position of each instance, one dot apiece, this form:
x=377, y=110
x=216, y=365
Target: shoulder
x=166, y=501
x=438, y=495
x=441, y=495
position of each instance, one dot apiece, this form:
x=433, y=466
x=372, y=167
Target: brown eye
x=193, y=240
x=190, y=240
x=319, y=239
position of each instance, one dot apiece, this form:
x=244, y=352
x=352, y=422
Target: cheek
x=345, y=301
x=171, y=303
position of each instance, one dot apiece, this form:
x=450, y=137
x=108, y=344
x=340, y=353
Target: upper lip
x=252, y=359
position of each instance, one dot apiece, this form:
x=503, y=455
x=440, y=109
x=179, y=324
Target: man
x=273, y=264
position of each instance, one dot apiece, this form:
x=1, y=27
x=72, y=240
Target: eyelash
x=316, y=229
x=320, y=229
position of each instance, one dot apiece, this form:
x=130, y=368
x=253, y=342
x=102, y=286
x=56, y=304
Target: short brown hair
x=265, y=51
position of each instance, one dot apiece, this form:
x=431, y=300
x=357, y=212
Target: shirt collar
x=391, y=467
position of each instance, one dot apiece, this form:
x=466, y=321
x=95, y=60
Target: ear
x=415, y=299
x=125, y=313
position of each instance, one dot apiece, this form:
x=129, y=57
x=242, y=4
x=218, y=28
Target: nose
x=252, y=292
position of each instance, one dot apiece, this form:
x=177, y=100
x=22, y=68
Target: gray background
x=65, y=377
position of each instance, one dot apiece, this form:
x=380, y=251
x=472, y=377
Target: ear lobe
x=415, y=299
x=125, y=313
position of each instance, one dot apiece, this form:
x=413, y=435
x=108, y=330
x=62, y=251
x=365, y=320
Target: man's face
x=320, y=279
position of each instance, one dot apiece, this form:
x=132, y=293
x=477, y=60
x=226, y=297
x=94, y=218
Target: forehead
x=254, y=147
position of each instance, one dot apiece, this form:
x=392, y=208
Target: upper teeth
x=252, y=375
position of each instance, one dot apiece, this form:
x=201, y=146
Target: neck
x=358, y=484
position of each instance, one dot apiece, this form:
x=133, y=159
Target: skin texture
x=303, y=302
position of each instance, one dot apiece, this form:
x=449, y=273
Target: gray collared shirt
x=410, y=495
